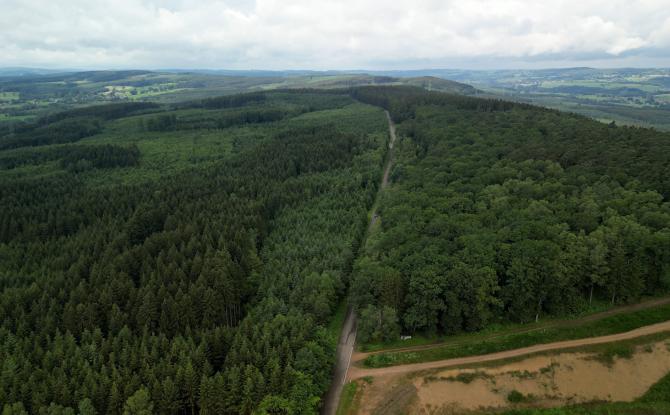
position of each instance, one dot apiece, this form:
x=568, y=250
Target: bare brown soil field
x=543, y=381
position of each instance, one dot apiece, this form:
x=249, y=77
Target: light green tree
x=139, y=403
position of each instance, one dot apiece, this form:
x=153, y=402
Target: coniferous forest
x=202, y=286
x=191, y=258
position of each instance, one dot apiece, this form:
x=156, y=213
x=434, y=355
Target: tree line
x=76, y=158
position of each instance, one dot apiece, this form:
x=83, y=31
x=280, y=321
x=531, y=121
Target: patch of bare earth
x=375, y=394
x=544, y=381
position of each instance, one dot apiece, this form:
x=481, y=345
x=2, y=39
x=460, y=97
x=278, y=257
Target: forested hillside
x=500, y=211
x=181, y=259
x=189, y=258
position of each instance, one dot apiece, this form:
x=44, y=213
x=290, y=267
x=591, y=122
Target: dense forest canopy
x=190, y=257
x=206, y=289
x=501, y=210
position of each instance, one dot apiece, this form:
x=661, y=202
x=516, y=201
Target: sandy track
x=357, y=372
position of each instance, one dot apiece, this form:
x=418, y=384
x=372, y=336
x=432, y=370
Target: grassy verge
x=335, y=324
x=635, y=408
x=346, y=405
x=476, y=345
x=660, y=392
x=416, y=340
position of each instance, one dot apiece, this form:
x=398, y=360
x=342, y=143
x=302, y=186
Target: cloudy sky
x=343, y=34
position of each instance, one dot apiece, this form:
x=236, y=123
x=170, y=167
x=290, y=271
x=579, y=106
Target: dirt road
x=357, y=372
x=387, y=168
x=345, y=347
x=360, y=356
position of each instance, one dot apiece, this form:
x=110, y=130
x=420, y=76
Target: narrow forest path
x=387, y=169
x=389, y=161
x=358, y=372
x=347, y=342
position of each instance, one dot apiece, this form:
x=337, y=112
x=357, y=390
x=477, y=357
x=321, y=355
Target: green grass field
x=347, y=399
x=603, y=84
x=8, y=96
x=630, y=97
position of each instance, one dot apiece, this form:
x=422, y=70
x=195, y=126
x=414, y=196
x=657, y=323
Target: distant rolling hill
x=433, y=83
x=17, y=71
x=21, y=89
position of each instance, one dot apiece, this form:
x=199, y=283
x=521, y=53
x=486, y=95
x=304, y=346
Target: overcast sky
x=344, y=34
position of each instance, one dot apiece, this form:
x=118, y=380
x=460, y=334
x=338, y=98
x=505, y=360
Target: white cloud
x=316, y=34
